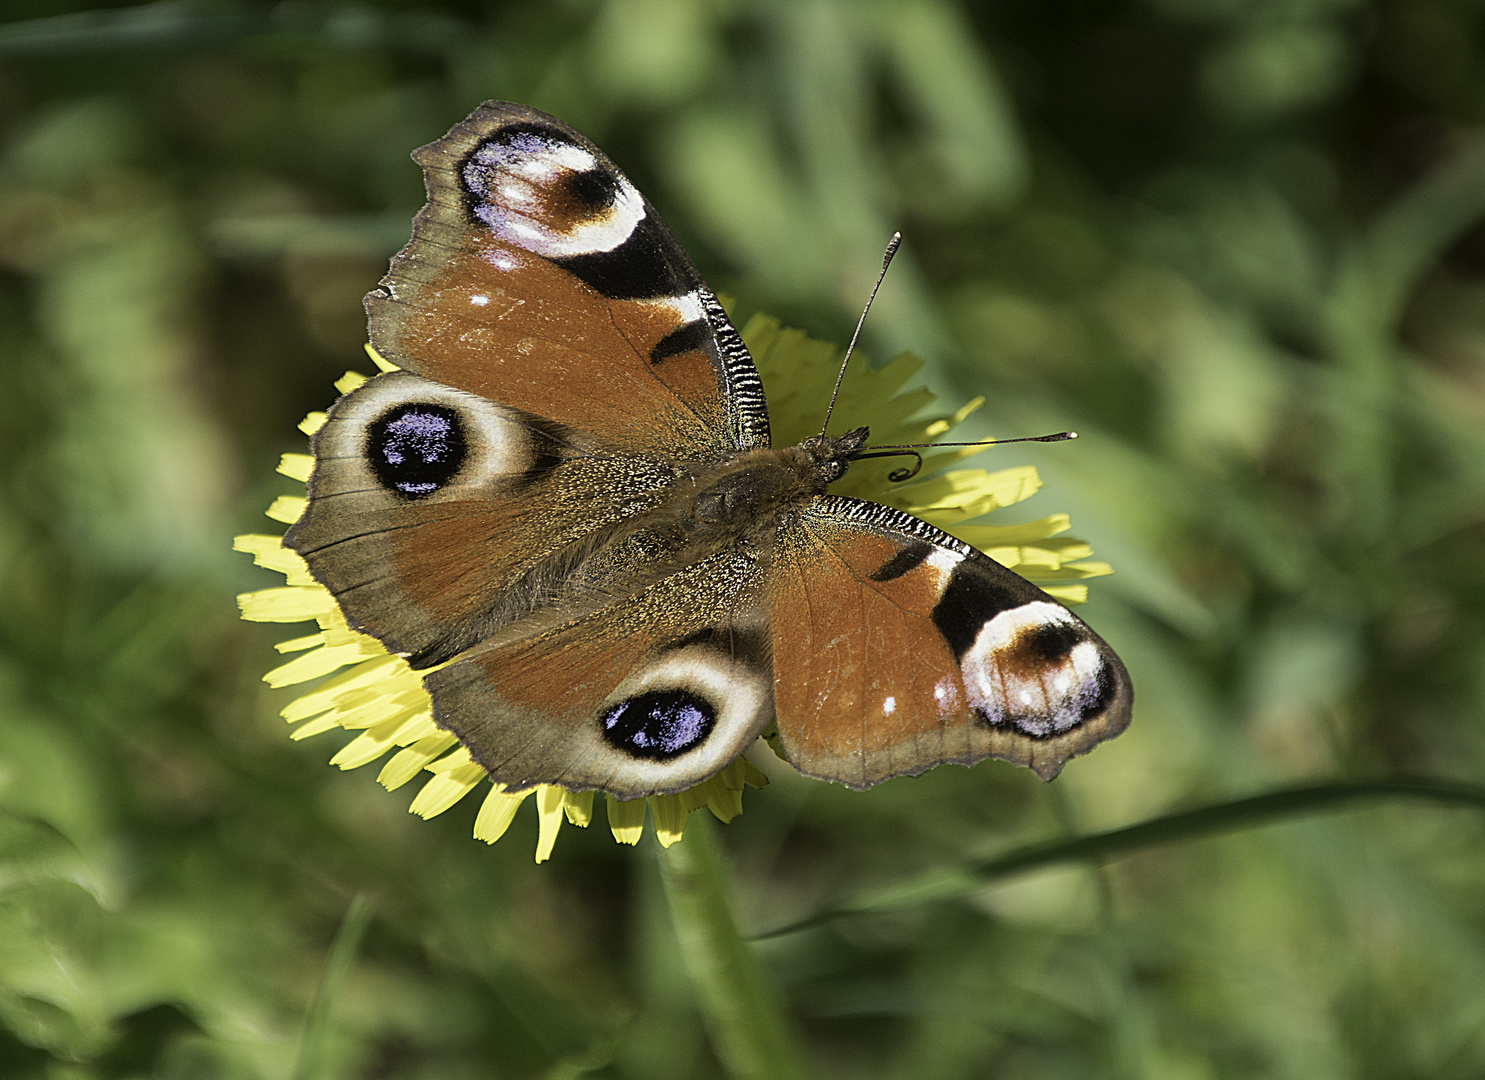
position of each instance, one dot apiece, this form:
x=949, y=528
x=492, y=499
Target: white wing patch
x=688, y=306
x=1034, y=668
x=530, y=191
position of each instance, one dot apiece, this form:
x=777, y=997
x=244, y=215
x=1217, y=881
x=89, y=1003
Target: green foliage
x=1234, y=244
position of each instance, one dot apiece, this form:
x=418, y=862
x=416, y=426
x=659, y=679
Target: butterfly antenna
x=1061, y=436
x=911, y=450
x=892, y=246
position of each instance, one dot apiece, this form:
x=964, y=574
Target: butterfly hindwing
x=898, y=648
x=649, y=694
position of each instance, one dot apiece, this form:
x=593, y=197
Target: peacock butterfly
x=565, y=509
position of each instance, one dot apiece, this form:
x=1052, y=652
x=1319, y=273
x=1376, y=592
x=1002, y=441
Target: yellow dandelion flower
x=375, y=695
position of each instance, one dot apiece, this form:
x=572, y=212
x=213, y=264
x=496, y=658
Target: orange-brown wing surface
x=540, y=278
x=898, y=648
x=650, y=694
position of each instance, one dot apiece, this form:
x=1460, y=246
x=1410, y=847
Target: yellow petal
x=987, y=536
x=724, y=802
x=626, y=820
x=962, y=494
x=349, y=381
x=496, y=813
x=941, y=427
x=326, y=694
x=376, y=358
x=378, y=707
x=312, y=665
x=402, y=728
x=366, y=747
x=300, y=643
x=318, y=726
x=296, y=466
x=1074, y=572
x=290, y=603
x=287, y=508
x=670, y=818
x=406, y=764
x=578, y=806
x=445, y=789
x=269, y=552
x=457, y=760
x=549, y=803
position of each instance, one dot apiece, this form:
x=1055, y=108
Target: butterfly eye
x=660, y=724
x=416, y=448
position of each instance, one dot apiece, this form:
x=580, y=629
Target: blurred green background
x=1237, y=244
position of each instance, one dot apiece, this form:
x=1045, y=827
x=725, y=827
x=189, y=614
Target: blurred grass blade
x=1256, y=810
x=600, y=1055
x=319, y=1024
x=1407, y=241
x=175, y=27
x=957, y=101
x=32, y=850
x=152, y=26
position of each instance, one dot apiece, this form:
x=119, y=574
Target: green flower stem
x=749, y=1029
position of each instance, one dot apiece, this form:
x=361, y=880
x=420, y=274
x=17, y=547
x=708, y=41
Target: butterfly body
x=565, y=509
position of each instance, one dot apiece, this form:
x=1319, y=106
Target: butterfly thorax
x=750, y=492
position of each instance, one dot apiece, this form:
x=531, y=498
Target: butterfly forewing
x=899, y=648
x=547, y=393
x=539, y=277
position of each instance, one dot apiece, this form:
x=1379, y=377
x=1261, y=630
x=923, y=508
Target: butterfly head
x=831, y=455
